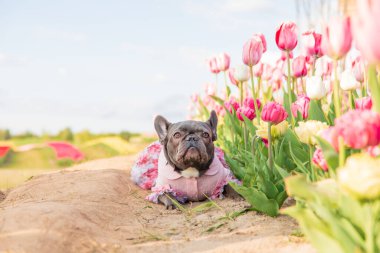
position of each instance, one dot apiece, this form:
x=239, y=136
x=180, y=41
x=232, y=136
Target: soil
x=95, y=207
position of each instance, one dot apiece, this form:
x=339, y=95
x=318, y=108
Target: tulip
x=360, y=177
x=210, y=89
x=252, y=51
x=366, y=28
x=312, y=42
x=331, y=136
x=213, y=64
x=258, y=69
x=323, y=67
x=315, y=88
x=299, y=66
x=364, y=103
x=231, y=104
x=337, y=38
x=276, y=130
x=284, y=56
x=359, y=128
x=263, y=40
x=274, y=113
x=278, y=96
x=249, y=102
x=307, y=130
x=247, y=112
x=374, y=151
x=220, y=110
x=348, y=81
x=223, y=61
x=241, y=73
x=358, y=69
x=231, y=75
x=301, y=105
x=319, y=160
x=286, y=36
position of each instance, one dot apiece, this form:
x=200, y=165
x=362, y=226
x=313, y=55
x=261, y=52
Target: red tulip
x=337, y=38
x=364, y=103
x=223, y=61
x=299, y=66
x=312, y=42
x=366, y=28
x=247, y=112
x=286, y=36
x=252, y=51
x=302, y=106
x=273, y=113
x=213, y=64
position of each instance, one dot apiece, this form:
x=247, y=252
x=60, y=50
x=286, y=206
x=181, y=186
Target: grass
x=97, y=151
x=40, y=158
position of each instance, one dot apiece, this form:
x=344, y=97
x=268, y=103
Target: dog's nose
x=192, y=138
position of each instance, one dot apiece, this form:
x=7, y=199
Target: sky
x=113, y=65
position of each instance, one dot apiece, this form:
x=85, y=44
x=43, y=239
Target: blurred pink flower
x=358, y=68
x=248, y=102
x=286, y=36
x=267, y=71
x=312, y=42
x=231, y=75
x=299, y=66
x=364, y=103
x=252, y=51
x=213, y=64
x=301, y=105
x=337, y=38
x=210, y=89
x=194, y=98
x=273, y=113
x=359, y=128
x=319, y=160
x=263, y=40
x=231, y=103
x=366, y=28
x=220, y=110
x=373, y=151
x=223, y=61
x=283, y=56
x=323, y=67
x=258, y=69
x=247, y=112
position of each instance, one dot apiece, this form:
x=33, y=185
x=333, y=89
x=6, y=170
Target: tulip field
x=307, y=126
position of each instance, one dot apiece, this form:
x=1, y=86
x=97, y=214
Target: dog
x=184, y=165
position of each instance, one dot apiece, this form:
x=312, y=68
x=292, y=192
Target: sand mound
x=94, y=207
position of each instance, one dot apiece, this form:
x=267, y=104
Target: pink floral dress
x=151, y=172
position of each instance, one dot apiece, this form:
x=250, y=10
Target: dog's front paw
x=230, y=192
x=166, y=201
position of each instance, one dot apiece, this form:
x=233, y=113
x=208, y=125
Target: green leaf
x=315, y=111
x=268, y=188
x=217, y=99
x=374, y=87
x=257, y=199
x=329, y=153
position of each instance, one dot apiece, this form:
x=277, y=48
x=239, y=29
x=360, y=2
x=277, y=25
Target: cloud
x=12, y=60
x=59, y=34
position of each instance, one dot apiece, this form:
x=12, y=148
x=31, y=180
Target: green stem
x=270, y=155
x=313, y=176
x=342, y=152
x=374, y=87
x=225, y=79
x=241, y=93
x=313, y=69
x=289, y=88
x=245, y=136
x=336, y=91
x=351, y=99
x=254, y=96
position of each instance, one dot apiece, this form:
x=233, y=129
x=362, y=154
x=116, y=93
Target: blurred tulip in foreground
x=358, y=68
x=286, y=36
x=273, y=113
x=348, y=81
x=364, y=103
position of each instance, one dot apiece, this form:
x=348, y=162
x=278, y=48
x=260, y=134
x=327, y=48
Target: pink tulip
x=286, y=36
x=359, y=128
x=331, y=136
x=366, y=28
x=210, y=89
x=247, y=112
x=337, y=38
x=267, y=71
x=358, y=69
x=299, y=66
x=319, y=160
x=284, y=55
x=223, y=61
x=302, y=106
x=252, y=51
x=364, y=103
x=231, y=104
x=323, y=67
x=231, y=75
x=263, y=40
x=248, y=102
x=258, y=69
x=220, y=110
x=273, y=113
x=213, y=64
x=312, y=41
x=373, y=151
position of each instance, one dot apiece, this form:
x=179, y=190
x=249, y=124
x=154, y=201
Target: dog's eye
x=205, y=135
x=177, y=135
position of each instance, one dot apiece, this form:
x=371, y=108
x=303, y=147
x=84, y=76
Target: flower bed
x=66, y=151
x=4, y=152
x=312, y=119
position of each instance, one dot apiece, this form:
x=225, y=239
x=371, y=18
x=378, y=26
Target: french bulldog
x=188, y=147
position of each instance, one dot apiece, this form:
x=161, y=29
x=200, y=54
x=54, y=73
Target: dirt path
x=94, y=207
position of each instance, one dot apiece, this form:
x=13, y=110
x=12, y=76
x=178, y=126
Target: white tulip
x=315, y=88
x=278, y=96
x=348, y=81
x=241, y=73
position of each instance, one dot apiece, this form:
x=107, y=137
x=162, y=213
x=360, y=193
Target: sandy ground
x=94, y=207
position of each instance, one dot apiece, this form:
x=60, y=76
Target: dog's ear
x=161, y=125
x=213, y=122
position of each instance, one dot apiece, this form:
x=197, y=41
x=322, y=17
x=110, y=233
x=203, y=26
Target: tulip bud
x=263, y=40
x=348, y=81
x=241, y=73
x=273, y=113
x=286, y=36
x=358, y=69
x=315, y=88
x=247, y=112
x=312, y=43
x=223, y=61
x=252, y=51
x=213, y=65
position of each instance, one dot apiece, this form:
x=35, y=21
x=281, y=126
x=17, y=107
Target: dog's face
x=188, y=145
